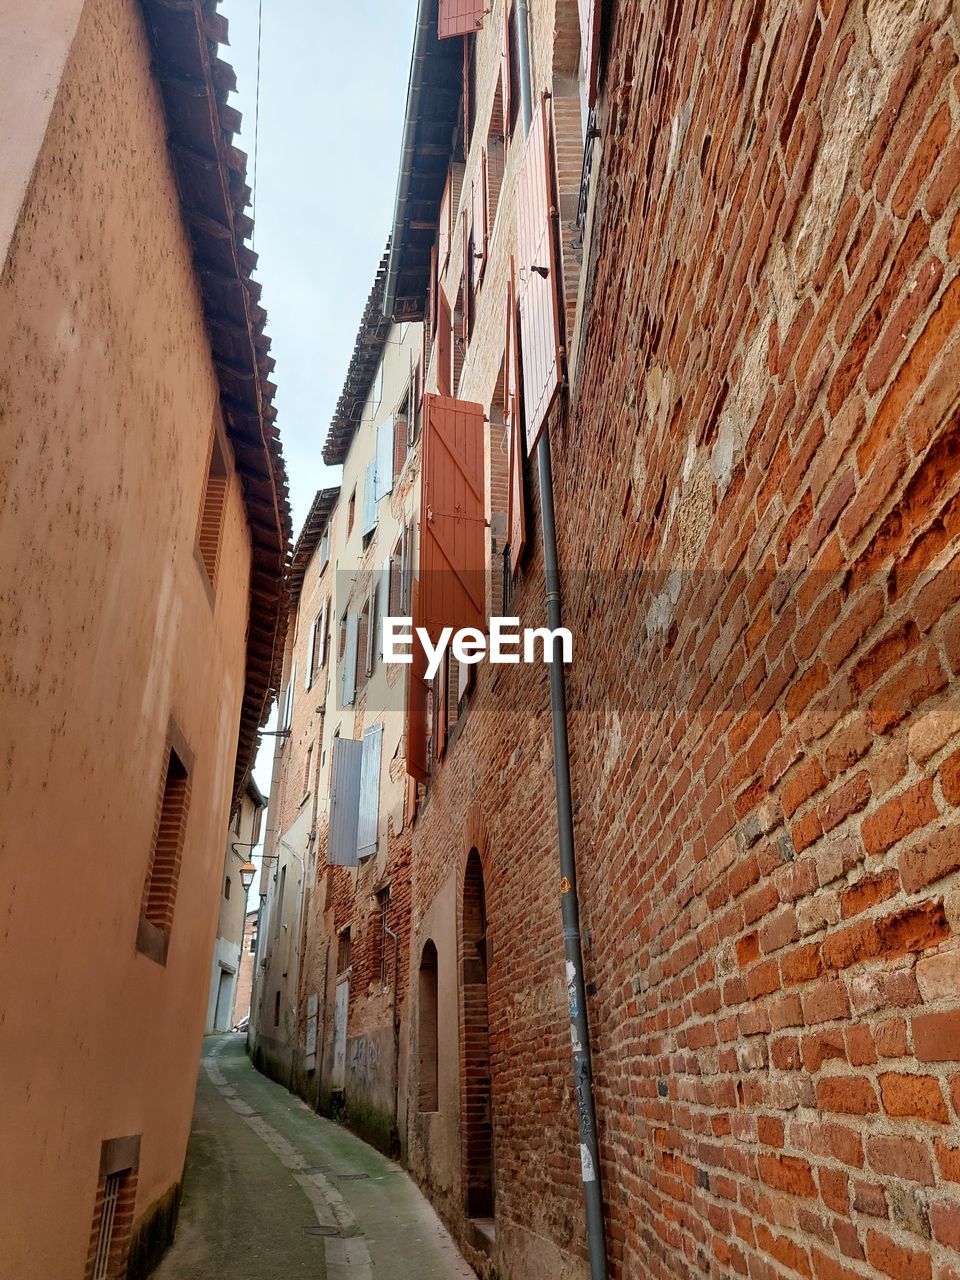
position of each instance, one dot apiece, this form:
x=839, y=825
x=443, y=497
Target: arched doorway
x=478, y=1165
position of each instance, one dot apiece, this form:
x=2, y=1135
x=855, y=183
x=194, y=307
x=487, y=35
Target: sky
x=333, y=83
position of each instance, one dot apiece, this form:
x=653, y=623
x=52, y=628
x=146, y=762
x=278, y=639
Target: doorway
x=223, y=1018
x=478, y=1163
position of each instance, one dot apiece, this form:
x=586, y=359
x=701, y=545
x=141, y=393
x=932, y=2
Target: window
x=112, y=1229
x=226, y=888
x=380, y=936
x=276, y=1009
x=210, y=528
x=163, y=874
x=315, y=647
x=288, y=700
x=344, y=947
x=280, y=892
x=253, y=943
x=351, y=511
x=306, y=771
x=325, y=548
x=428, y=1030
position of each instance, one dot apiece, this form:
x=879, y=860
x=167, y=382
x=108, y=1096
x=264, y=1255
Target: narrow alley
x=272, y=1190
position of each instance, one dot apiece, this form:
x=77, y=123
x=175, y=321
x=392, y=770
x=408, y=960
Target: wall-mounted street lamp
x=247, y=873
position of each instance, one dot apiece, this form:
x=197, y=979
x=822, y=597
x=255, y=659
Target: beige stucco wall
x=107, y=402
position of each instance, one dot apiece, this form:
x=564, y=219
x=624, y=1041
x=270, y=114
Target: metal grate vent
x=111, y=1194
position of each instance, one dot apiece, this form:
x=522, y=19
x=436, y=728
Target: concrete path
x=273, y=1191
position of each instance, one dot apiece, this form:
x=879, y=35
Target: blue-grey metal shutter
x=384, y=459
x=350, y=660
x=369, y=498
x=344, y=802
x=369, y=792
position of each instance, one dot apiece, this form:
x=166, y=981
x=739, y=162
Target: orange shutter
x=452, y=522
x=506, y=88
x=517, y=516
x=445, y=228
x=590, y=45
x=459, y=17
x=541, y=350
x=444, y=340
x=418, y=759
x=480, y=230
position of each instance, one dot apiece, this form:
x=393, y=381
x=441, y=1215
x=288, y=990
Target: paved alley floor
x=272, y=1190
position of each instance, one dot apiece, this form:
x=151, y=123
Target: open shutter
x=441, y=709
x=370, y=656
x=369, y=498
x=350, y=660
x=459, y=17
x=506, y=88
x=344, y=802
x=418, y=759
x=478, y=259
x=445, y=233
x=444, y=346
x=324, y=624
x=541, y=350
x=452, y=521
x=384, y=467
x=517, y=516
x=369, y=818
x=311, y=653
x=401, y=436
x=590, y=46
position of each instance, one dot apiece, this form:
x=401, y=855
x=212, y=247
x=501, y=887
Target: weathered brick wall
x=757, y=498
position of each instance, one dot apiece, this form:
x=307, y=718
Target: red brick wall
x=757, y=500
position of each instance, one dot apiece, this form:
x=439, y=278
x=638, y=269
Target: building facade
x=224, y=1006
x=241, y=1007
x=143, y=534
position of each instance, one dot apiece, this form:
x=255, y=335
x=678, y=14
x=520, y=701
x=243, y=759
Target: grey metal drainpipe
x=569, y=901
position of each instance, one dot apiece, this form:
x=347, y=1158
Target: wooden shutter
x=478, y=260
x=384, y=467
x=393, y=589
x=444, y=346
x=418, y=758
x=590, y=12
x=441, y=710
x=541, y=350
x=434, y=286
x=459, y=17
x=324, y=624
x=466, y=296
x=344, y=802
x=506, y=88
x=517, y=516
x=452, y=522
x=350, y=660
x=445, y=234
x=311, y=654
x=369, y=806
x=369, y=498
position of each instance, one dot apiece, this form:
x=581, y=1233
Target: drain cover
x=321, y=1231
x=353, y=1177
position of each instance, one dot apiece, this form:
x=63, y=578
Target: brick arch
x=476, y=1081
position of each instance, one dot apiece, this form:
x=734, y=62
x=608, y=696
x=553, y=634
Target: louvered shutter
x=369, y=498
x=478, y=259
x=350, y=660
x=452, y=523
x=418, y=760
x=541, y=352
x=369, y=816
x=445, y=232
x=459, y=17
x=444, y=346
x=590, y=45
x=506, y=88
x=517, y=516
x=384, y=460
x=344, y=802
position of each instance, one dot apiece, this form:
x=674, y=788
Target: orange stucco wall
x=107, y=404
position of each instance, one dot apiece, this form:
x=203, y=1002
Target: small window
x=276, y=1009
x=112, y=1229
x=380, y=936
x=306, y=771
x=325, y=548
x=344, y=947
x=160, y=889
x=226, y=888
x=253, y=944
x=210, y=530
x=428, y=1030
x=351, y=511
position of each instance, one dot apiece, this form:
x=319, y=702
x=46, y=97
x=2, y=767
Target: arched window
x=428, y=1030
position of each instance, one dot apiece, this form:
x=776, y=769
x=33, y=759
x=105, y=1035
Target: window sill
x=153, y=942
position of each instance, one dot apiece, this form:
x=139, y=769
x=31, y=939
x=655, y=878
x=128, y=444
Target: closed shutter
x=401, y=433
x=478, y=259
x=541, y=351
x=369, y=817
x=350, y=660
x=445, y=233
x=459, y=17
x=344, y=802
x=444, y=346
x=506, y=88
x=393, y=596
x=418, y=759
x=369, y=522
x=452, y=522
x=517, y=516
x=384, y=464
x=590, y=46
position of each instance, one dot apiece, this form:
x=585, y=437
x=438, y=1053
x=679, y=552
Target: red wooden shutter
x=444, y=350
x=478, y=260
x=445, y=228
x=506, y=89
x=541, y=350
x=590, y=45
x=452, y=521
x=517, y=516
x=418, y=758
x=459, y=17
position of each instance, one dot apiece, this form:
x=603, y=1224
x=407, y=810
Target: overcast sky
x=333, y=83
